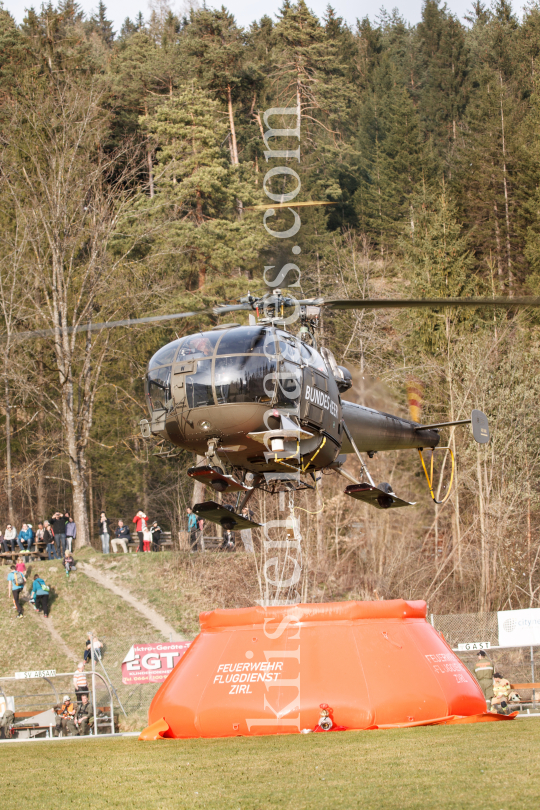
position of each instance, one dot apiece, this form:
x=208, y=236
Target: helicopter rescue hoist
x=263, y=407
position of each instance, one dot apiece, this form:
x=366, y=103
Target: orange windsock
x=415, y=390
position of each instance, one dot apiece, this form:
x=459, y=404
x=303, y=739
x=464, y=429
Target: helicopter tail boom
x=372, y=431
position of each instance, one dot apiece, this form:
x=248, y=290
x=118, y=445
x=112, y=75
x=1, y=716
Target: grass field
x=491, y=766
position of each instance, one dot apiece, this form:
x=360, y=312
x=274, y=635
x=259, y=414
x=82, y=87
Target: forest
x=131, y=167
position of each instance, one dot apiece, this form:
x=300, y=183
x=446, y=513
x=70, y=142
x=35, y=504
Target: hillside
x=177, y=586
x=78, y=605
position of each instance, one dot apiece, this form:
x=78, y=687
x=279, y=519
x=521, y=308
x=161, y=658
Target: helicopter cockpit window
x=289, y=384
x=244, y=340
x=199, y=385
x=201, y=345
x=313, y=358
x=244, y=379
x=165, y=355
x=289, y=347
x=158, y=388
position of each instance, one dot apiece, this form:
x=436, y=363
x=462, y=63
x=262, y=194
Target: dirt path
x=59, y=641
x=168, y=632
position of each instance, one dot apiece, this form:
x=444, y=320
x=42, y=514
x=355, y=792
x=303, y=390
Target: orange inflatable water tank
x=268, y=670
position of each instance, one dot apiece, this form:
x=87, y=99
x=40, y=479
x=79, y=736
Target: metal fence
x=131, y=702
x=517, y=664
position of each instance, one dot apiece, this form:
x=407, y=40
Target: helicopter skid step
x=216, y=513
x=218, y=480
x=375, y=496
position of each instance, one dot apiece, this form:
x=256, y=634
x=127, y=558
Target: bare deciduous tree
x=69, y=197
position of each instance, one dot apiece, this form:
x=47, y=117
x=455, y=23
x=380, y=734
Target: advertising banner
x=519, y=628
x=151, y=663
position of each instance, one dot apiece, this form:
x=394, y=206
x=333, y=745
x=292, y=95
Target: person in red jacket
x=141, y=524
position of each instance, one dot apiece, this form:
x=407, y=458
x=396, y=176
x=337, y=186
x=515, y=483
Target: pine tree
x=442, y=68
x=99, y=24
x=196, y=188
x=57, y=38
x=394, y=159
x=214, y=43
x=15, y=55
x=438, y=262
x=491, y=154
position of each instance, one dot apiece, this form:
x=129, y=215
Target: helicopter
x=263, y=407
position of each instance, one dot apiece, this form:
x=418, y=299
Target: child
x=147, y=540
x=69, y=562
x=20, y=566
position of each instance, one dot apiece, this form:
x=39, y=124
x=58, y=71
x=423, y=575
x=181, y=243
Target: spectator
x=39, y=536
x=40, y=595
x=20, y=566
x=83, y=717
x=98, y=650
x=245, y=534
x=140, y=521
x=155, y=531
x=122, y=537
x=501, y=693
x=192, y=528
x=48, y=539
x=104, y=532
x=80, y=683
x=26, y=535
x=69, y=563
x=147, y=540
x=58, y=523
x=16, y=580
x=6, y=718
x=10, y=536
x=227, y=543
x=64, y=720
x=71, y=532
x=484, y=675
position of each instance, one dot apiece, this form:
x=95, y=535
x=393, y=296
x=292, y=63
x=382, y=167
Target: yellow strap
x=429, y=477
x=288, y=458
x=319, y=448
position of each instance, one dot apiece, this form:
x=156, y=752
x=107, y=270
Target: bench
x=518, y=687
x=31, y=730
x=10, y=557
x=165, y=542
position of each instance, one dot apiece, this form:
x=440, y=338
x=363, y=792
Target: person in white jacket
x=10, y=538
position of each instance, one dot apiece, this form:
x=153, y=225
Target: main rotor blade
x=98, y=327
x=426, y=303
x=221, y=310
x=291, y=204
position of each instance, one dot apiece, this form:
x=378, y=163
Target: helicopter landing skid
x=217, y=479
x=379, y=498
x=217, y=513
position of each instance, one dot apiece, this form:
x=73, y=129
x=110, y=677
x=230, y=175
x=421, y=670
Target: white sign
x=519, y=628
x=37, y=673
x=474, y=645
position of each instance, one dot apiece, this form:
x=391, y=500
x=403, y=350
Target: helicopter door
x=310, y=410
